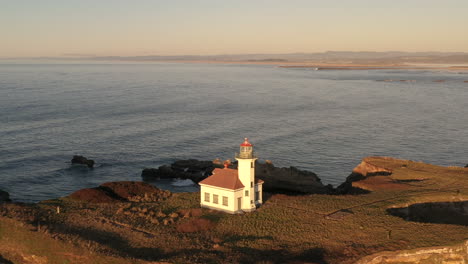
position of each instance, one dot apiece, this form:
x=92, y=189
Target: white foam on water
x=182, y=183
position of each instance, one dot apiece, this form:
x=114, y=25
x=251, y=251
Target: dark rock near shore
x=466, y=166
x=4, y=196
x=289, y=180
x=195, y=170
x=283, y=180
x=123, y=191
x=77, y=159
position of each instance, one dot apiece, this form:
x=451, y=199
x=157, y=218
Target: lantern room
x=246, y=150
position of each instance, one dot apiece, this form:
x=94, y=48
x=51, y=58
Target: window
x=207, y=197
x=251, y=164
x=256, y=196
x=251, y=201
x=215, y=198
x=225, y=201
x=246, y=193
x=251, y=184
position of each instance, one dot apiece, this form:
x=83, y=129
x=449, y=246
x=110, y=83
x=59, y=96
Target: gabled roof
x=224, y=178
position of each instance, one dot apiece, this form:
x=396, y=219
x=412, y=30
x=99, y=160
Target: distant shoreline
x=377, y=67
x=334, y=66
x=278, y=63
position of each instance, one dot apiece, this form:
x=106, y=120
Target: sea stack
x=77, y=159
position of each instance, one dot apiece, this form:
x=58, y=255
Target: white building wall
x=239, y=194
x=259, y=189
x=232, y=196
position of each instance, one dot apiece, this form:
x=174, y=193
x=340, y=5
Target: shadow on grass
x=113, y=241
x=251, y=255
x=236, y=238
x=4, y=261
x=234, y=254
x=454, y=213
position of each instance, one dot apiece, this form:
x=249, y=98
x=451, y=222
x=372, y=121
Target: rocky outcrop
x=195, y=170
x=290, y=180
x=367, y=169
x=77, y=159
x=466, y=166
x=4, y=196
x=363, y=170
x=447, y=254
x=123, y=191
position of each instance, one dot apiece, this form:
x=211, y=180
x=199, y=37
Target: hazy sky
x=144, y=27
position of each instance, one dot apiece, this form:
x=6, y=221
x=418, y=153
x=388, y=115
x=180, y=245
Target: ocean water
x=130, y=116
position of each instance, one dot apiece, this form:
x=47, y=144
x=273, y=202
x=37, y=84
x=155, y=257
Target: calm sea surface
x=131, y=116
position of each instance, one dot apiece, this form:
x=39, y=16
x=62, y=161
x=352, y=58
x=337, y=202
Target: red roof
x=224, y=178
x=246, y=143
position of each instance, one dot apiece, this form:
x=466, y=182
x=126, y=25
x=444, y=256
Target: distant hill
x=366, y=57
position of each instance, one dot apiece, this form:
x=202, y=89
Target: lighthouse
x=231, y=190
x=246, y=170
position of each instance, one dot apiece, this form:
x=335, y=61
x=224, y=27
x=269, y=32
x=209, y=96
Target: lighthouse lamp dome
x=246, y=150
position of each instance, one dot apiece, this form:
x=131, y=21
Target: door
x=239, y=203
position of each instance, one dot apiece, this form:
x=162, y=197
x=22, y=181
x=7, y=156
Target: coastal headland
x=388, y=211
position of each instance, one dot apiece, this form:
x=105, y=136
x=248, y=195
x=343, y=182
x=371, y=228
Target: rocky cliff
x=443, y=254
x=362, y=171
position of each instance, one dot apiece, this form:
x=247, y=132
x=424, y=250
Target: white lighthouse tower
x=234, y=191
x=246, y=170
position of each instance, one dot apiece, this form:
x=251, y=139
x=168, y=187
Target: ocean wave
x=182, y=183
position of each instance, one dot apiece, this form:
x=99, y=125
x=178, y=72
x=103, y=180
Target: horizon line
x=96, y=56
